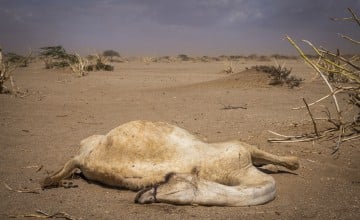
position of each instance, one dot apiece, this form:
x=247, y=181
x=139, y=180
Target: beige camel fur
x=173, y=166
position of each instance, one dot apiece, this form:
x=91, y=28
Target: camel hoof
x=146, y=196
x=49, y=183
x=293, y=163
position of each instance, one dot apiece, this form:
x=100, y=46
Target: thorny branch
x=341, y=75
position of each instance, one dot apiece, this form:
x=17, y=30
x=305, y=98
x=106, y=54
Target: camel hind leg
x=260, y=157
x=54, y=180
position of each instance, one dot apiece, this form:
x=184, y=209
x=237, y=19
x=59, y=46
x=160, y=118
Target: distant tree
x=16, y=58
x=183, y=57
x=111, y=54
x=54, y=56
x=56, y=52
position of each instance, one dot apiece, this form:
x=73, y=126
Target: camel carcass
x=168, y=164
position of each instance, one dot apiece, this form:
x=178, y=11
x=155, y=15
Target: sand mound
x=249, y=78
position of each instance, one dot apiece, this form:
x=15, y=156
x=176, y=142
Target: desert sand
x=40, y=132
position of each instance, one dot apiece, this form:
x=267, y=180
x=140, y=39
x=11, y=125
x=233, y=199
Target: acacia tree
x=111, y=54
x=54, y=56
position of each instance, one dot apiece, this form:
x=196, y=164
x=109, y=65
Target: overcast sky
x=171, y=27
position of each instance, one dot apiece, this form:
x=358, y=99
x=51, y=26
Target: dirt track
x=45, y=128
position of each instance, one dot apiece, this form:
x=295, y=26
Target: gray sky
x=171, y=27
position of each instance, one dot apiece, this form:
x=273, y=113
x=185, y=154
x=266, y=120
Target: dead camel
x=170, y=165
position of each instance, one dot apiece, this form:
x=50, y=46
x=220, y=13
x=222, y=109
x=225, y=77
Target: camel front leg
x=189, y=189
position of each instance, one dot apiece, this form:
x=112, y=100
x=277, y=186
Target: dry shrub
x=279, y=75
x=7, y=66
x=99, y=62
x=147, y=60
x=228, y=67
x=78, y=64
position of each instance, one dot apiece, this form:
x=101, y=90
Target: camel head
x=176, y=189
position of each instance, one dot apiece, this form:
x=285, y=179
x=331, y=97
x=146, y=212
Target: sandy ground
x=44, y=129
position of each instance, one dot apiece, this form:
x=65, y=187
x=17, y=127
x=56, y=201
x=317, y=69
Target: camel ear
x=169, y=176
x=195, y=171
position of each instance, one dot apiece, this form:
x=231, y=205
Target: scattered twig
x=34, y=166
x=312, y=118
x=298, y=138
x=42, y=214
x=351, y=138
x=289, y=140
x=90, y=123
x=339, y=141
x=21, y=190
x=40, y=168
x=281, y=135
x=228, y=107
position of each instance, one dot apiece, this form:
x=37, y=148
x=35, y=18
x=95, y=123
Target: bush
x=279, y=75
x=100, y=64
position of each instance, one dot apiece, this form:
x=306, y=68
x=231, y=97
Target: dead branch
x=351, y=138
x=319, y=100
x=312, y=118
x=21, y=190
x=337, y=56
x=349, y=38
x=353, y=17
x=341, y=69
x=308, y=61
